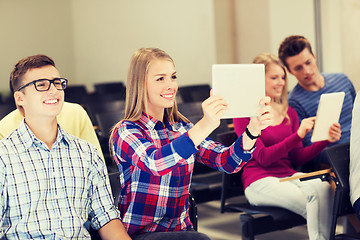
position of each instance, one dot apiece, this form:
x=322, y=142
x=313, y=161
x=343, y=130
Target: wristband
x=252, y=137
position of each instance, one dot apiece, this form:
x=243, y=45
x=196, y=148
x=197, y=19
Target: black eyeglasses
x=42, y=85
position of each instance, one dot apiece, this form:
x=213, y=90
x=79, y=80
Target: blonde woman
x=155, y=148
x=278, y=150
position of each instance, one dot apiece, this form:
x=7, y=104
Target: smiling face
x=37, y=104
x=161, y=87
x=303, y=67
x=274, y=81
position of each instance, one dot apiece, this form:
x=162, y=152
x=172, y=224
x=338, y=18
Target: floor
x=226, y=226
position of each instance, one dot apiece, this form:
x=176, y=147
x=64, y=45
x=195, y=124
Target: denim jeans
x=181, y=235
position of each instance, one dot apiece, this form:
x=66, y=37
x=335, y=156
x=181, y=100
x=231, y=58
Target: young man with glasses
x=50, y=181
x=73, y=119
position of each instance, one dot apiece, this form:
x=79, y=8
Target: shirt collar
x=151, y=123
x=176, y=126
x=28, y=137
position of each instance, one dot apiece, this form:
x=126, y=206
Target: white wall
x=106, y=33
x=32, y=27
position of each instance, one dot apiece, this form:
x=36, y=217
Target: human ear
x=18, y=96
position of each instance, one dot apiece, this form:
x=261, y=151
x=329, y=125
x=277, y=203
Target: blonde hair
x=136, y=94
x=267, y=59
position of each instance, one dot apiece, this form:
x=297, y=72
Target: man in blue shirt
x=296, y=54
x=51, y=182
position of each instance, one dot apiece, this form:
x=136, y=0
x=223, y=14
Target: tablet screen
x=241, y=85
x=328, y=112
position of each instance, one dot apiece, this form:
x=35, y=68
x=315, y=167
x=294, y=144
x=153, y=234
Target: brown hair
x=292, y=46
x=268, y=59
x=25, y=64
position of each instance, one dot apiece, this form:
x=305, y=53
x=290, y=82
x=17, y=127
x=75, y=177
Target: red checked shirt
x=156, y=161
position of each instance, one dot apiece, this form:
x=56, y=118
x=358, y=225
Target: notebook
x=241, y=85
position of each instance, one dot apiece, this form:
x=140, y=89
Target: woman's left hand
x=334, y=132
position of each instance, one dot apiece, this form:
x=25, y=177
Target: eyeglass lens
x=44, y=84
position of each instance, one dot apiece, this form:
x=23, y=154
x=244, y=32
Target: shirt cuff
x=184, y=146
x=239, y=151
x=100, y=221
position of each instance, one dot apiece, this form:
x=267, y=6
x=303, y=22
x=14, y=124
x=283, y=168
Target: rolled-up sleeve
x=102, y=208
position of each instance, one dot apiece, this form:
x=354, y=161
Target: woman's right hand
x=305, y=126
x=213, y=108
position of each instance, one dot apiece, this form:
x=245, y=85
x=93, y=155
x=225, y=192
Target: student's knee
x=320, y=191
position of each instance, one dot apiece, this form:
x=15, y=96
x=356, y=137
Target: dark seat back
x=194, y=93
x=100, y=107
x=6, y=108
x=191, y=110
x=107, y=120
x=109, y=91
x=339, y=159
x=76, y=94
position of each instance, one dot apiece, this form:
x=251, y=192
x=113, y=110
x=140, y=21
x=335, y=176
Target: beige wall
x=252, y=29
x=32, y=27
x=350, y=40
x=92, y=41
x=263, y=24
x=225, y=34
x=106, y=33
x=331, y=20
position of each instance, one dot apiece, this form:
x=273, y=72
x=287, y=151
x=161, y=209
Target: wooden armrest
x=306, y=175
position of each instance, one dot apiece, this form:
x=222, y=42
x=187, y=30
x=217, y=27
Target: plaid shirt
x=156, y=161
x=50, y=193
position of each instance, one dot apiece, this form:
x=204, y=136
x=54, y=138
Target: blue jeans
x=181, y=235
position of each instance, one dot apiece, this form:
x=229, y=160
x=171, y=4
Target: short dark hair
x=25, y=64
x=292, y=46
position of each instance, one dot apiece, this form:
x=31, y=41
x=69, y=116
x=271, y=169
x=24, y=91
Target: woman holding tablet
x=155, y=148
x=278, y=150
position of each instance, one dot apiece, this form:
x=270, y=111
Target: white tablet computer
x=241, y=85
x=328, y=112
